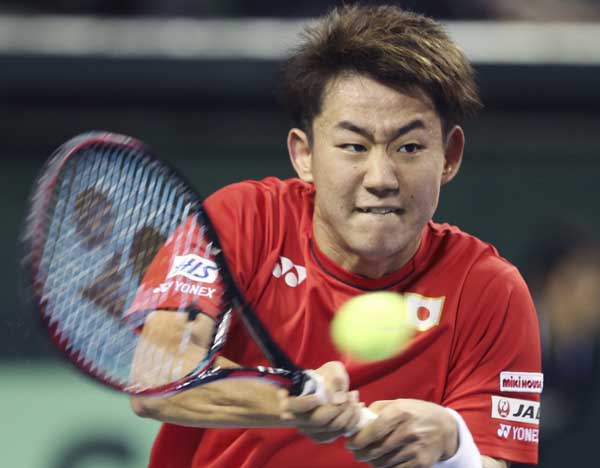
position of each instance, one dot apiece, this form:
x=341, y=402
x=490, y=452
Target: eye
x=410, y=148
x=353, y=147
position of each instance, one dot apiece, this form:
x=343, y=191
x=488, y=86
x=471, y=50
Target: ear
x=300, y=152
x=453, y=155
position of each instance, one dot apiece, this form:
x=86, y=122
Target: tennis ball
x=372, y=326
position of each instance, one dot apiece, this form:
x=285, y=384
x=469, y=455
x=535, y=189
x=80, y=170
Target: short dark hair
x=396, y=47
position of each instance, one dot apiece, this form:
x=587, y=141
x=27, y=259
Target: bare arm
x=488, y=462
x=406, y=432
x=226, y=403
x=221, y=404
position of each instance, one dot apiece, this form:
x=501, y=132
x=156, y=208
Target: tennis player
x=378, y=96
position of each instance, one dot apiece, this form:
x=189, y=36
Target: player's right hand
x=324, y=422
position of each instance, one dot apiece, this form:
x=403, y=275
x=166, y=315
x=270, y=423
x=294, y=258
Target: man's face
x=377, y=161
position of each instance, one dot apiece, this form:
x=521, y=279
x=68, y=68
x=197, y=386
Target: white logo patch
x=195, y=268
x=522, y=382
x=424, y=312
x=513, y=409
x=292, y=274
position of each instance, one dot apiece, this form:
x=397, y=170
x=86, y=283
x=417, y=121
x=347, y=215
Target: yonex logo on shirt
x=522, y=434
x=292, y=274
x=504, y=430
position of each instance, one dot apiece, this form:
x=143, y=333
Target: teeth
x=378, y=210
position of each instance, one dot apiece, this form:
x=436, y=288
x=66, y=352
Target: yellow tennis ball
x=372, y=326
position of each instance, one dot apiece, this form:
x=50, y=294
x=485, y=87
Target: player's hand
x=324, y=422
x=406, y=434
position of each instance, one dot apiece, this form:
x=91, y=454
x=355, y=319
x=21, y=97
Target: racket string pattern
x=105, y=212
x=117, y=241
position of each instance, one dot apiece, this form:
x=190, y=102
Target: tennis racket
x=103, y=209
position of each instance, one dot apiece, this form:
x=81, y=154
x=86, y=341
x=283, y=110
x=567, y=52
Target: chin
x=378, y=249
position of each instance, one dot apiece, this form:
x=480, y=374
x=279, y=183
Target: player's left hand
x=407, y=433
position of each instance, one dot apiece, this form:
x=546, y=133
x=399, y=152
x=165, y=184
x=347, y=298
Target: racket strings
x=110, y=212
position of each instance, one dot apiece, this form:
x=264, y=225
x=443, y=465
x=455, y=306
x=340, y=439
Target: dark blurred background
x=196, y=79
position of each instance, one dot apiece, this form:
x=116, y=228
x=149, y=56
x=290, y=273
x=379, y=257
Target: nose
x=380, y=176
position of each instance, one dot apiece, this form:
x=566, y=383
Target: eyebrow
x=368, y=134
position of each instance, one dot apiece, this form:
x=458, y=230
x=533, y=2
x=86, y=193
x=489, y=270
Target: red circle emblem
x=423, y=313
x=503, y=408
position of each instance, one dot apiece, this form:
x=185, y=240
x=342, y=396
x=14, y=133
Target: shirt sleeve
x=495, y=378
x=184, y=274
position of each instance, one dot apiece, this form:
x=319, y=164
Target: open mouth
x=380, y=210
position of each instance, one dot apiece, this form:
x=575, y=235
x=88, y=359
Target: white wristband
x=316, y=385
x=467, y=455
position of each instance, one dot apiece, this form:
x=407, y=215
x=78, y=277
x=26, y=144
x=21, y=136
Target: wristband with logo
x=467, y=455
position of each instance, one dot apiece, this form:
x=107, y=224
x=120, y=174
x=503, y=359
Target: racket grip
x=315, y=384
x=366, y=417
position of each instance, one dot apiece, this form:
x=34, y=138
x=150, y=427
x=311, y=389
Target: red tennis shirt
x=477, y=351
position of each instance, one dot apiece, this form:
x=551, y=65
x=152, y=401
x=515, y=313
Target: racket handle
x=366, y=417
x=315, y=384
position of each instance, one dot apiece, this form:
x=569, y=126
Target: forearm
x=488, y=462
x=225, y=403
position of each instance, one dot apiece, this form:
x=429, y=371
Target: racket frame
x=284, y=372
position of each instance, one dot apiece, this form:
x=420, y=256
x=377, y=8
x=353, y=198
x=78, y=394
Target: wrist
x=451, y=436
x=466, y=453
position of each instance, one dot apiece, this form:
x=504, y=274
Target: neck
x=369, y=266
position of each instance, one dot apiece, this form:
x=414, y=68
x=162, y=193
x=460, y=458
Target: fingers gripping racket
x=105, y=219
